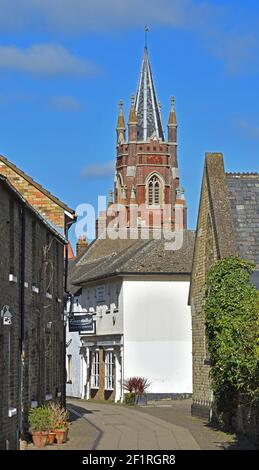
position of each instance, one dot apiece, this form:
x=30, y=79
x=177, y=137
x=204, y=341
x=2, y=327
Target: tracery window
x=154, y=191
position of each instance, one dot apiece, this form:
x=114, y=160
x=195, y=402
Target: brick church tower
x=146, y=164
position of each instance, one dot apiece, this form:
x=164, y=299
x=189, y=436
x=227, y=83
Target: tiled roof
x=243, y=190
x=5, y=182
x=36, y=185
x=106, y=258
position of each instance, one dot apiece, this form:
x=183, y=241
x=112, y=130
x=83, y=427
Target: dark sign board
x=82, y=323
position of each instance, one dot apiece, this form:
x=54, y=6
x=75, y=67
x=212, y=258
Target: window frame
x=69, y=368
x=109, y=367
x=154, y=191
x=95, y=370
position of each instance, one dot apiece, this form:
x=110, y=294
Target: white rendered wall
x=106, y=323
x=73, y=340
x=157, y=334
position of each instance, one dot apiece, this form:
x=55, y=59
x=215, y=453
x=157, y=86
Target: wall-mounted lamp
x=6, y=315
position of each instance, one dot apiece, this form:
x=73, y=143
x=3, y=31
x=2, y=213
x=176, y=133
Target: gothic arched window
x=119, y=188
x=154, y=191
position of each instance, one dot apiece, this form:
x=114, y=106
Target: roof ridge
x=45, y=221
x=37, y=185
x=245, y=173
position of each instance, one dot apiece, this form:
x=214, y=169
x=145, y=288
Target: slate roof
x=147, y=106
x=234, y=203
x=106, y=258
x=243, y=191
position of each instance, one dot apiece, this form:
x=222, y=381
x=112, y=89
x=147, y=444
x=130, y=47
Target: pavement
x=207, y=436
x=127, y=428
x=162, y=425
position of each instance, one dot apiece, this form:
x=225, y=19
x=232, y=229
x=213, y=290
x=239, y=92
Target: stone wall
x=42, y=375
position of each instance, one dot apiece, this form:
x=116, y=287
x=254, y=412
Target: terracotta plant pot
x=66, y=435
x=60, y=435
x=39, y=438
x=52, y=436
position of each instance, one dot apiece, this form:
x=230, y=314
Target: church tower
x=146, y=163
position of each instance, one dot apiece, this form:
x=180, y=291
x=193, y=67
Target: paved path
x=125, y=428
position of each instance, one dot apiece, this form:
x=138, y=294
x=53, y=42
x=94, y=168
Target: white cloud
x=99, y=170
x=65, y=103
x=77, y=16
x=44, y=60
x=217, y=24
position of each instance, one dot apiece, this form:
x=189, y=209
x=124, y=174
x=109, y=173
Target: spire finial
x=121, y=122
x=146, y=31
x=120, y=107
x=172, y=117
x=132, y=116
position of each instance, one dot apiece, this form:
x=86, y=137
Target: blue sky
x=65, y=64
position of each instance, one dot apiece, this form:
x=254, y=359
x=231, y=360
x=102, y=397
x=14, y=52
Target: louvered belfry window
x=154, y=193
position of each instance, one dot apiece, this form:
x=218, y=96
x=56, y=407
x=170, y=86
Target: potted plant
x=39, y=425
x=142, y=385
x=136, y=388
x=130, y=396
x=52, y=434
x=59, y=419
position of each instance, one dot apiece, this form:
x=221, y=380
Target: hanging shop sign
x=82, y=323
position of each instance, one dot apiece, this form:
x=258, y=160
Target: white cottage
x=132, y=298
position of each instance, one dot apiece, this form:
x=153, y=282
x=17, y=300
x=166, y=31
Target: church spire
x=172, y=124
x=172, y=117
x=132, y=123
x=147, y=108
x=121, y=128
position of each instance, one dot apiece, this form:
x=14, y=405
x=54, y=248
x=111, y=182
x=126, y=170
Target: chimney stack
x=81, y=245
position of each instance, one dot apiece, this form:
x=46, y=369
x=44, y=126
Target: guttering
x=121, y=274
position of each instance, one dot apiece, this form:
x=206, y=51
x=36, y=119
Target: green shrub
x=39, y=419
x=231, y=315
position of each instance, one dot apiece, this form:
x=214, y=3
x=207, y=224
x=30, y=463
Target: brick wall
x=46, y=206
x=202, y=395
x=43, y=349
